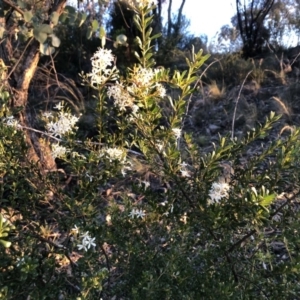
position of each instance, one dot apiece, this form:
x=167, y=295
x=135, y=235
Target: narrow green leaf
x=82, y=18
x=89, y=32
x=267, y=200
x=102, y=32
x=6, y=244
x=103, y=41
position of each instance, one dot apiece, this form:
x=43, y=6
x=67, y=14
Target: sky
x=206, y=16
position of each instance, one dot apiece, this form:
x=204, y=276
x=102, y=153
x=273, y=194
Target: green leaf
x=28, y=16
x=54, y=18
x=82, y=18
x=267, y=200
x=89, y=32
x=72, y=18
x=63, y=17
x=6, y=244
x=39, y=35
x=121, y=39
x=70, y=9
x=95, y=25
x=46, y=49
x=102, y=32
x=21, y=4
x=103, y=41
x=45, y=28
x=55, y=41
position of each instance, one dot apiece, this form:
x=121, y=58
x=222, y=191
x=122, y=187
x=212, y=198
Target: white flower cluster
x=11, y=121
x=218, y=191
x=58, y=151
x=65, y=123
x=121, y=96
x=143, y=80
x=137, y=213
x=114, y=154
x=86, y=240
x=161, y=90
x=102, y=61
x=177, y=133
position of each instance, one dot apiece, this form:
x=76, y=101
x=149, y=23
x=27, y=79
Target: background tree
x=250, y=20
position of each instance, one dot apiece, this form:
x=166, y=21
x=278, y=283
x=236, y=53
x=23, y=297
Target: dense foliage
x=138, y=209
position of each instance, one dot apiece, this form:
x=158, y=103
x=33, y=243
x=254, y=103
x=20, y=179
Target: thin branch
x=236, y=104
x=20, y=11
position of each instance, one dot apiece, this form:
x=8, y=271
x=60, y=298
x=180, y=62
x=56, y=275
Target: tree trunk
x=23, y=61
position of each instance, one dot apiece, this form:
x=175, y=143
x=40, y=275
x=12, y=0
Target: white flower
x=89, y=242
x=177, y=132
x=82, y=246
x=47, y=114
x=86, y=242
x=132, y=213
x=59, y=106
x=11, y=121
x=161, y=90
x=90, y=177
x=85, y=235
x=137, y=212
x=218, y=191
x=20, y=261
x=140, y=214
x=183, y=170
x=146, y=184
x=58, y=151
